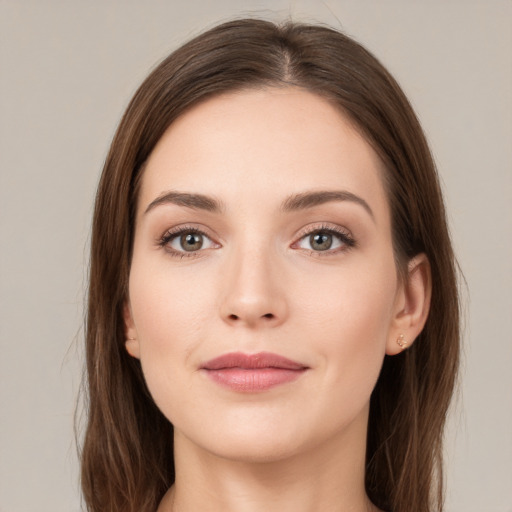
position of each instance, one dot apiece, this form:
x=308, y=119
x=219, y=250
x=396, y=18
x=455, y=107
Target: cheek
x=170, y=312
x=170, y=316
x=348, y=316
x=356, y=302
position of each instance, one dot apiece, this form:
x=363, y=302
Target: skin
x=258, y=284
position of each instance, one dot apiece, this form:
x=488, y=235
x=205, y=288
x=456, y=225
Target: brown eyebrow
x=195, y=201
x=310, y=199
x=295, y=202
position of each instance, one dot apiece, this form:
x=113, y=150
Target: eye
x=329, y=240
x=185, y=240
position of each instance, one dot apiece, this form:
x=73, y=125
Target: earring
x=401, y=341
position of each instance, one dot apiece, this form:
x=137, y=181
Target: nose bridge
x=254, y=291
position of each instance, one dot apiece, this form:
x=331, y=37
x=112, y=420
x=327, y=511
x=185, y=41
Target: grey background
x=67, y=71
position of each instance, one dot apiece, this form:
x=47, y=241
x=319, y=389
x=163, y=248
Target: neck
x=329, y=477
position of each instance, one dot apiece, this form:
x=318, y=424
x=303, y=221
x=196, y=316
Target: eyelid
x=176, y=231
x=344, y=234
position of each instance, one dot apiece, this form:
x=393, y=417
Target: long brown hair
x=127, y=452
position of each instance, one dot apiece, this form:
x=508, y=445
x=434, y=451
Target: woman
x=273, y=317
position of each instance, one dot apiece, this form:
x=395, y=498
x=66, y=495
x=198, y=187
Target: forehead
x=262, y=145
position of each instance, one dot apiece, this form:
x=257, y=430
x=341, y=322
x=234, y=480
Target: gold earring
x=401, y=341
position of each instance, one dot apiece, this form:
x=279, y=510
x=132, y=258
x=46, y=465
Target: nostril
x=250, y=318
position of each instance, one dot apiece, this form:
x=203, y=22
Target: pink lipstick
x=251, y=373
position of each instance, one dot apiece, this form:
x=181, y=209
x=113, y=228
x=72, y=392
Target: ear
x=132, y=343
x=412, y=305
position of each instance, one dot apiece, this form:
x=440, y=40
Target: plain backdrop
x=67, y=71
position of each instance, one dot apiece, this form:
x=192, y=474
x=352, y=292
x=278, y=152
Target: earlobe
x=132, y=343
x=412, y=306
x=133, y=347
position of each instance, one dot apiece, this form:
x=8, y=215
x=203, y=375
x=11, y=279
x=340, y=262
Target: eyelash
x=170, y=235
x=344, y=236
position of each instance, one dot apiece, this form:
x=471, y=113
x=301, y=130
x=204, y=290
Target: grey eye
x=189, y=241
x=323, y=240
x=320, y=241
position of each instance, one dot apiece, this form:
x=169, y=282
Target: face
x=263, y=292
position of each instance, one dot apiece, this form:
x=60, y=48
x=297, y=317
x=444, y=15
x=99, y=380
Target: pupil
x=191, y=242
x=321, y=241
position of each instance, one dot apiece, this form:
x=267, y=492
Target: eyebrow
x=316, y=198
x=293, y=203
x=195, y=201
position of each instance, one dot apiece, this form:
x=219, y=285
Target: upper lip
x=252, y=362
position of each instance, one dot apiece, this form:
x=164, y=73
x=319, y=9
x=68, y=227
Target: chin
x=257, y=448
x=257, y=438
x=264, y=439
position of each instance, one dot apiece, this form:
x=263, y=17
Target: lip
x=252, y=372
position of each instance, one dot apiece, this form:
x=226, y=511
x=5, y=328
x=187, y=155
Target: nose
x=254, y=290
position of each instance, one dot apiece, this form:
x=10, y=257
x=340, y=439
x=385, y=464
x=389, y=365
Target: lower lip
x=253, y=380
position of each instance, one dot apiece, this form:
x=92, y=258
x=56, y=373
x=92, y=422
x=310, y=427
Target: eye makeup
x=323, y=239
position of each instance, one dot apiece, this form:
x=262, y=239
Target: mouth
x=252, y=373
